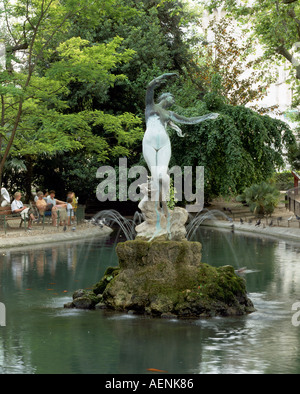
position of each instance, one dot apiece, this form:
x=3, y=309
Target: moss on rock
x=83, y=299
x=109, y=274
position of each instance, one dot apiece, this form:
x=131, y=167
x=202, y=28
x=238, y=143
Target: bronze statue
x=156, y=141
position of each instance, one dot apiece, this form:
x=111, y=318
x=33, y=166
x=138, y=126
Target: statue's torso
x=155, y=134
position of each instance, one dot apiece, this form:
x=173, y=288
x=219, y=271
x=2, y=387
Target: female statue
x=156, y=142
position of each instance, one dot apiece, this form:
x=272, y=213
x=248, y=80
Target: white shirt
x=16, y=204
x=51, y=201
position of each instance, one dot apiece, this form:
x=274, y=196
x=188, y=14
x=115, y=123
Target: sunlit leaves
x=36, y=116
x=262, y=198
x=83, y=62
x=274, y=23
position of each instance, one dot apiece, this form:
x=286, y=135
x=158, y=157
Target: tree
x=262, y=198
x=156, y=31
x=239, y=148
x=231, y=57
x=276, y=23
x=40, y=67
x=138, y=23
x=294, y=157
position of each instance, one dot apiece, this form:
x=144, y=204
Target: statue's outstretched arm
x=193, y=120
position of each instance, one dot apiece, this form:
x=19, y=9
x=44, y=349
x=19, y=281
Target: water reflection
x=26, y=269
x=43, y=337
x=35, y=282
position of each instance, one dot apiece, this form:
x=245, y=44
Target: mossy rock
x=109, y=274
x=83, y=299
x=167, y=278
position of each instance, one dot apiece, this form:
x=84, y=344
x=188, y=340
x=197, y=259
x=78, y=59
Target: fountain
x=195, y=222
x=110, y=217
x=160, y=272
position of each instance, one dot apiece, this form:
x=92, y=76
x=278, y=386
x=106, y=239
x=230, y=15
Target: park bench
x=7, y=215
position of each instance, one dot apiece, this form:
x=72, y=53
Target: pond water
x=41, y=336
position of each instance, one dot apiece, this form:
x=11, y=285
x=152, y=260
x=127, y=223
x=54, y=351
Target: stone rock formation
x=167, y=279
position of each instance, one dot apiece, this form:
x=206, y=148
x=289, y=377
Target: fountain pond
x=41, y=336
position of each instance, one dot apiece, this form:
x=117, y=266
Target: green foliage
x=156, y=31
x=75, y=97
x=36, y=116
x=294, y=157
x=274, y=23
x=215, y=98
x=237, y=149
x=262, y=198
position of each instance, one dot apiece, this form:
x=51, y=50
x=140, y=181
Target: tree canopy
x=276, y=23
x=73, y=87
x=41, y=65
x=231, y=56
x=237, y=149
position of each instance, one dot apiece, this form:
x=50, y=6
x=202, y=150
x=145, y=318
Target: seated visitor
x=44, y=193
x=41, y=204
x=57, y=205
x=17, y=207
x=5, y=198
x=52, y=200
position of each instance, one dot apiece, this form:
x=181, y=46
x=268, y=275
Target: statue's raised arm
x=150, y=91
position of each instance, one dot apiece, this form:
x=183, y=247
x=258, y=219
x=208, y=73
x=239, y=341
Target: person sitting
x=5, y=198
x=17, y=207
x=45, y=195
x=42, y=205
x=56, y=205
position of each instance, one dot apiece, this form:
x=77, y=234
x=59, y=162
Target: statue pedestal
x=159, y=226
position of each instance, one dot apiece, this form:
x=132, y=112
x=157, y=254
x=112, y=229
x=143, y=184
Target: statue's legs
x=158, y=161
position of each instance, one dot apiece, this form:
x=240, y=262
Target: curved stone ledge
x=36, y=237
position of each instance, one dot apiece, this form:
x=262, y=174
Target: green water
x=41, y=336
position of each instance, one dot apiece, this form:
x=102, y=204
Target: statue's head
x=166, y=100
